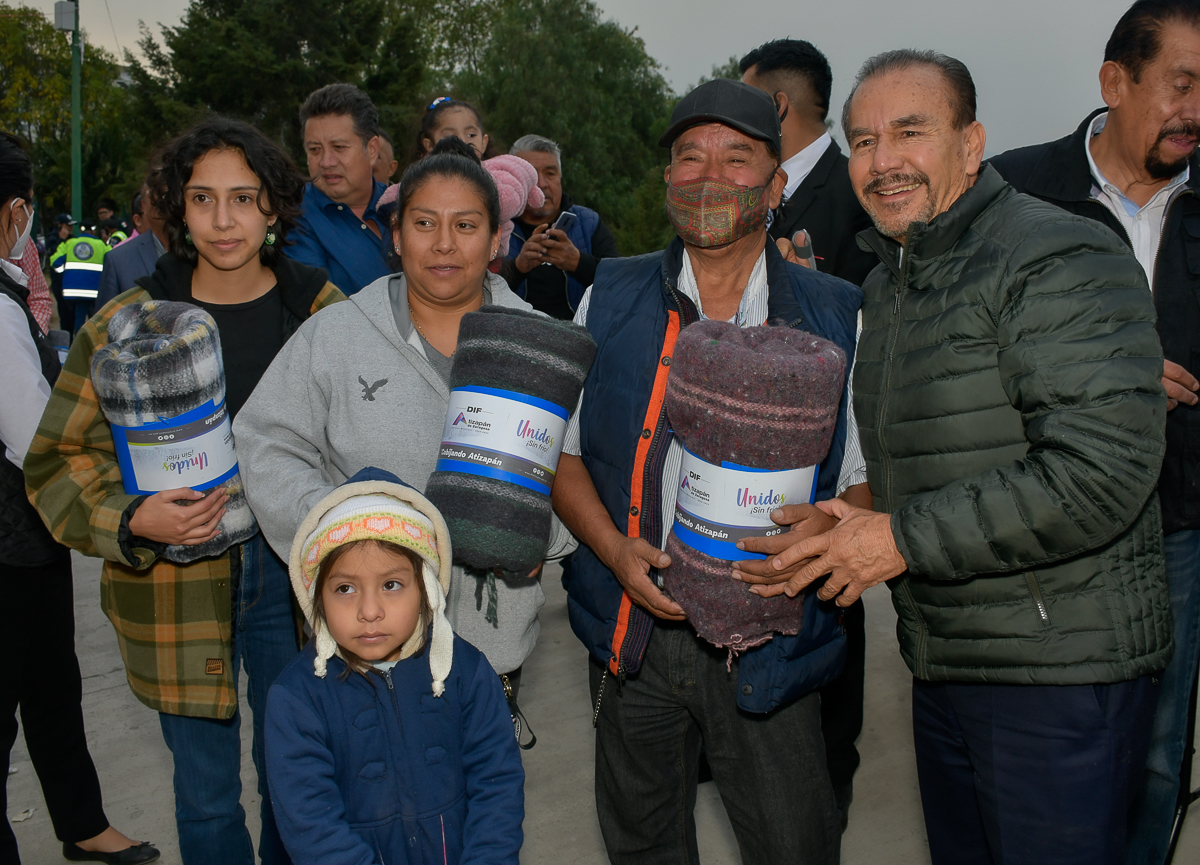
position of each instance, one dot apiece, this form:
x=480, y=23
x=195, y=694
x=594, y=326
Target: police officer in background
x=78, y=262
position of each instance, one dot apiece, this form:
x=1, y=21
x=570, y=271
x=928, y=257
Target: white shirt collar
x=1102, y=183
x=799, y=165
x=15, y=273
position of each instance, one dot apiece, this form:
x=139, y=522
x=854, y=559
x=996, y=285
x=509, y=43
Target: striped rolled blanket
x=515, y=380
x=160, y=382
x=755, y=409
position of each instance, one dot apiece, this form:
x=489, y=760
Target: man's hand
x=631, y=559
x=533, y=252
x=560, y=251
x=806, y=521
x=160, y=519
x=859, y=552
x=1180, y=385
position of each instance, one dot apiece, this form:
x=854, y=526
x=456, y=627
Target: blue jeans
x=207, y=752
x=1153, y=810
x=1030, y=774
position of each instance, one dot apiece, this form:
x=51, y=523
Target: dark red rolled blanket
x=755, y=409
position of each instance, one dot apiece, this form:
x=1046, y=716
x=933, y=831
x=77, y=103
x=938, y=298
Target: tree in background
x=547, y=66
x=35, y=104
x=554, y=68
x=259, y=60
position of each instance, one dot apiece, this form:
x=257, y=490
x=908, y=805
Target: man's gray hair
x=959, y=84
x=538, y=144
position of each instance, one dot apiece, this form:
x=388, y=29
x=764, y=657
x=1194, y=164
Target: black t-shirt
x=251, y=335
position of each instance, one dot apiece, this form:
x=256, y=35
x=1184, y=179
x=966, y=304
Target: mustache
x=1186, y=129
x=917, y=177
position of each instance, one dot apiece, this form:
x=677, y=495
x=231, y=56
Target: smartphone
x=565, y=220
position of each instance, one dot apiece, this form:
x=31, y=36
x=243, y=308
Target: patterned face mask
x=709, y=212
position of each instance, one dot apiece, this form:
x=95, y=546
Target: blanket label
x=193, y=450
x=717, y=506
x=503, y=435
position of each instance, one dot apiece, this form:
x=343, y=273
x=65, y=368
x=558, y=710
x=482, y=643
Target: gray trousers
x=770, y=769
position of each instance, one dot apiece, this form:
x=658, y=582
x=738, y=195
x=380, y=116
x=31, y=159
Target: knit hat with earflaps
x=376, y=505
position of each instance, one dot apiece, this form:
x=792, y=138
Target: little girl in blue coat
x=388, y=739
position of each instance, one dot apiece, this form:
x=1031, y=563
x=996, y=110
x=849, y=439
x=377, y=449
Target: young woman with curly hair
x=229, y=196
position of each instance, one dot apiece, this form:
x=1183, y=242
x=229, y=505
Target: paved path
x=560, y=822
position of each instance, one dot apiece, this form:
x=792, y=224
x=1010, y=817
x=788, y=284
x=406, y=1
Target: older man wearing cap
x=658, y=690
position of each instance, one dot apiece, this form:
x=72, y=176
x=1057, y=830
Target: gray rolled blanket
x=758, y=398
x=516, y=378
x=162, y=361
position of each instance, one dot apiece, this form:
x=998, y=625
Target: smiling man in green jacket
x=1012, y=419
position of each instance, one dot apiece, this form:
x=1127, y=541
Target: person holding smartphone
x=554, y=249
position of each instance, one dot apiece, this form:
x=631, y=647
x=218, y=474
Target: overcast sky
x=1034, y=61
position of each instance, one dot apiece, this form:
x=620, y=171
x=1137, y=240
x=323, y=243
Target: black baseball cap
x=64, y=219
x=723, y=100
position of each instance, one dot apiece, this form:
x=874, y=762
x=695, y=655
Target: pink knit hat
x=516, y=181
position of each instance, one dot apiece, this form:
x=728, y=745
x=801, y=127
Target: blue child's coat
x=375, y=770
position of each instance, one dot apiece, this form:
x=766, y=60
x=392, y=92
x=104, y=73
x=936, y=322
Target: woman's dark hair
x=354, y=662
x=430, y=121
x=280, y=196
x=455, y=159
x=16, y=171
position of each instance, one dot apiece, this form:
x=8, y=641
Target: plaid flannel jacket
x=173, y=622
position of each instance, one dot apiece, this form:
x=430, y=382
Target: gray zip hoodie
x=352, y=389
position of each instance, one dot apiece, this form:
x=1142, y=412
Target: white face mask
x=18, y=248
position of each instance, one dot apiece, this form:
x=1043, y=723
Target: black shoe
x=135, y=855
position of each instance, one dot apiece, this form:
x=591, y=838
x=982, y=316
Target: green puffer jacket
x=1008, y=398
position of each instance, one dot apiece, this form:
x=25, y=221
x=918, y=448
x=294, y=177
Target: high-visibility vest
x=80, y=260
x=116, y=238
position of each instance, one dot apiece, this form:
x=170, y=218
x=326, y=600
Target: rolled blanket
x=160, y=381
x=515, y=380
x=755, y=409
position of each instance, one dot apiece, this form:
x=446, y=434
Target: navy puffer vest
x=635, y=315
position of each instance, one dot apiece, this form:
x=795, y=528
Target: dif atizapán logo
x=462, y=418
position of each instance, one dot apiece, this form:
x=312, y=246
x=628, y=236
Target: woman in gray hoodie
x=367, y=384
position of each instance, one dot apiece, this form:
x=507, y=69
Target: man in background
x=130, y=261
x=1132, y=167
x=552, y=267
x=818, y=198
x=79, y=261
x=106, y=208
x=339, y=228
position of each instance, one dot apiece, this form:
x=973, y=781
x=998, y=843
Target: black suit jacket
x=825, y=206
